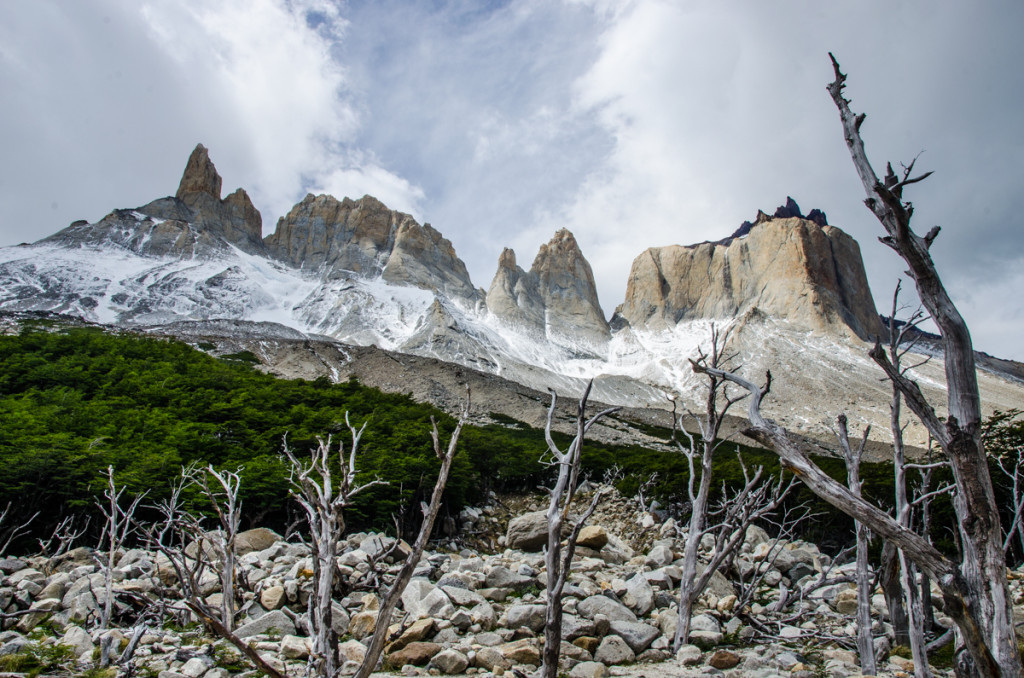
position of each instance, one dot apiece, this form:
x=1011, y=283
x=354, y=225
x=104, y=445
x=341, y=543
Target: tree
x=556, y=562
x=323, y=506
x=974, y=588
x=982, y=569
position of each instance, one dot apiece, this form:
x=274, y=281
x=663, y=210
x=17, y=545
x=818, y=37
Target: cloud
x=635, y=123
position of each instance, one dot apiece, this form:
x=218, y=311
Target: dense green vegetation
x=74, y=400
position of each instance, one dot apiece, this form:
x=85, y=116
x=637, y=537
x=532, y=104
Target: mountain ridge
x=791, y=292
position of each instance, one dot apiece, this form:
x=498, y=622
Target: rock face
x=791, y=268
x=194, y=223
x=365, y=237
x=556, y=299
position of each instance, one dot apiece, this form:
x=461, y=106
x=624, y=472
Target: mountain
x=789, y=290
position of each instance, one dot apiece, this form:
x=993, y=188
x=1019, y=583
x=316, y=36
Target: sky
x=633, y=123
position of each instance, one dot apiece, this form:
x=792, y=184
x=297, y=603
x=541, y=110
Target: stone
x=423, y=599
x=417, y=654
x=614, y=650
x=637, y=635
x=589, y=670
x=523, y=651
x=352, y=650
x=529, y=616
x=450, y=661
x=724, y=659
x=845, y=601
x=528, y=532
x=362, y=624
x=503, y=578
x=294, y=647
x=688, y=655
x=462, y=597
x=659, y=556
x=275, y=621
x=256, y=539
x=639, y=596
x=196, y=666
x=573, y=627
x=593, y=537
x=612, y=609
x=483, y=614
x=273, y=598
x=491, y=658
x=79, y=640
x=417, y=631
x=705, y=630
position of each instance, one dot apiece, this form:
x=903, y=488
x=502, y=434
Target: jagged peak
x=200, y=175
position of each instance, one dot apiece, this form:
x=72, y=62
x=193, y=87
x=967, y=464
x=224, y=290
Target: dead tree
x=710, y=426
x=118, y=526
x=315, y=492
x=562, y=494
x=982, y=604
x=898, y=349
x=181, y=531
x=11, y=532
x=430, y=511
x=223, y=495
x=865, y=641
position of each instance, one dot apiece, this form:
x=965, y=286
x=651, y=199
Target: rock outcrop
x=557, y=298
x=792, y=268
x=193, y=223
x=364, y=237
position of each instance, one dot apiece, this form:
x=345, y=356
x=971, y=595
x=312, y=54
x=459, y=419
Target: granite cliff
x=343, y=237
x=787, y=267
x=556, y=299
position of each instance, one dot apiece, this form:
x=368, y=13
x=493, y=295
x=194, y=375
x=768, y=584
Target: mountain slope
x=790, y=290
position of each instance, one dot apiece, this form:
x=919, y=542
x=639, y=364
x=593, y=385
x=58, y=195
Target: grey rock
x=612, y=609
x=275, y=620
x=503, y=578
x=528, y=532
x=614, y=650
x=528, y=616
x=639, y=595
x=637, y=635
x=423, y=599
x=450, y=661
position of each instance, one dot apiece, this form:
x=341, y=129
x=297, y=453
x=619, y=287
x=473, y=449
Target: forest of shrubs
x=74, y=400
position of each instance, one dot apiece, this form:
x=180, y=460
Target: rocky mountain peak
x=557, y=298
x=200, y=176
x=365, y=237
x=786, y=267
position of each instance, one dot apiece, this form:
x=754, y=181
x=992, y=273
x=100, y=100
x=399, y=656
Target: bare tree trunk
x=991, y=642
x=119, y=524
x=323, y=508
x=562, y=494
x=957, y=592
x=394, y=594
x=865, y=640
x=892, y=589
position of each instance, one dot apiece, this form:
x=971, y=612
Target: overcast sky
x=633, y=124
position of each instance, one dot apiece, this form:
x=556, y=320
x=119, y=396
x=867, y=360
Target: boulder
x=523, y=651
x=614, y=650
x=257, y=539
x=275, y=621
x=639, y=596
x=503, y=578
x=294, y=647
x=637, y=635
x=528, y=532
x=612, y=609
x=528, y=616
x=723, y=660
x=423, y=599
x=450, y=662
x=589, y=670
x=417, y=654
x=593, y=537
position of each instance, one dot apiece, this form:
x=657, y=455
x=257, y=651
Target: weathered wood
x=988, y=634
x=865, y=640
x=557, y=562
x=394, y=594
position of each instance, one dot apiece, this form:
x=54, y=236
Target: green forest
x=74, y=400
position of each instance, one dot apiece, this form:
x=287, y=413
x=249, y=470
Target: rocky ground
x=466, y=611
